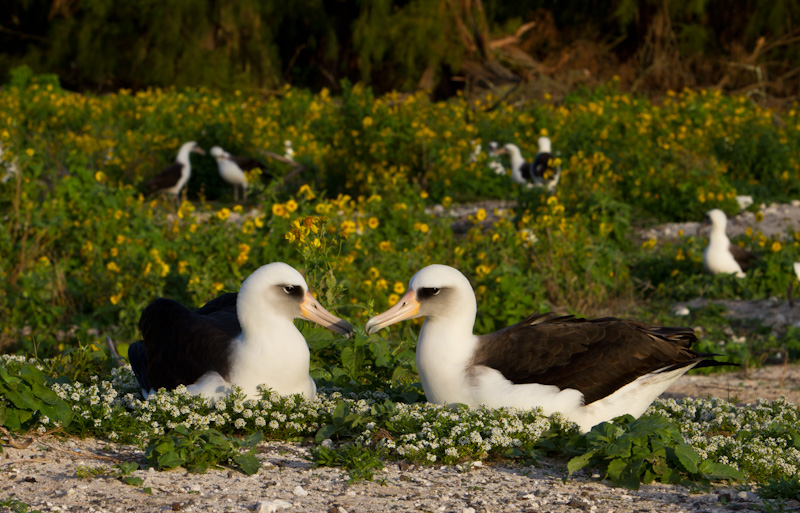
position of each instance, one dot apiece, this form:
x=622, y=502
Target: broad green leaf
x=687, y=457
x=326, y=431
x=170, y=460
x=714, y=470
x=248, y=463
x=578, y=462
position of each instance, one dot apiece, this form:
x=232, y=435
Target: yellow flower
x=373, y=272
x=399, y=287
x=776, y=246
x=381, y=284
x=481, y=215
x=422, y=227
x=384, y=245
x=30, y=152
x=373, y=222
x=278, y=209
x=759, y=216
x=100, y=177
x=291, y=205
x=147, y=269
x=447, y=201
x=649, y=244
x=306, y=189
x=216, y=287
x=114, y=252
x=393, y=298
x=113, y=267
x=224, y=213
x=238, y=209
x=482, y=270
x=259, y=221
x=115, y=298
x=367, y=122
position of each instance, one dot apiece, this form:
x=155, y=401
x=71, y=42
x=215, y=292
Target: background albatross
x=247, y=339
x=173, y=178
x=589, y=370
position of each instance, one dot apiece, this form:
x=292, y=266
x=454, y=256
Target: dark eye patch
x=429, y=292
x=293, y=290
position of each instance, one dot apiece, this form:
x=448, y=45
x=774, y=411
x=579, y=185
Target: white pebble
x=299, y=491
x=468, y=510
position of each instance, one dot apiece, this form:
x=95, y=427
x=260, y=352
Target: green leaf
x=325, y=432
x=687, y=457
x=716, y=471
x=133, y=481
x=578, y=462
x=170, y=460
x=248, y=463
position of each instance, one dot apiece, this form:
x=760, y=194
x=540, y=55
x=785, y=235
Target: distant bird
x=232, y=170
x=720, y=256
x=588, y=370
x=540, y=172
x=247, y=339
x=288, y=152
x=173, y=178
x=11, y=167
x=476, y=151
x=494, y=158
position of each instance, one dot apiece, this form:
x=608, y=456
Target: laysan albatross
x=173, y=178
x=246, y=339
x=588, y=370
x=540, y=172
x=232, y=169
x=720, y=256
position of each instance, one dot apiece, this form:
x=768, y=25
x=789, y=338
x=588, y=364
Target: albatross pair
x=590, y=371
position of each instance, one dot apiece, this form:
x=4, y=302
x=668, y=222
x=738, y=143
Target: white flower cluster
x=758, y=440
x=430, y=432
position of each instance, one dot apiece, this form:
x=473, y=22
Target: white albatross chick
x=720, y=256
x=588, y=370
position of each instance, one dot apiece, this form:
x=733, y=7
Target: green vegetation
x=83, y=252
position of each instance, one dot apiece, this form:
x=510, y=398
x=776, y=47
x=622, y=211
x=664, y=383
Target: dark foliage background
x=444, y=45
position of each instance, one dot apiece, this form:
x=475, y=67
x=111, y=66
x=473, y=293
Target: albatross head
x=436, y=291
x=189, y=147
x=717, y=219
x=278, y=289
x=218, y=153
x=544, y=145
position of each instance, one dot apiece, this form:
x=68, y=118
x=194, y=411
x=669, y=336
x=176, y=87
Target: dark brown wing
x=540, y=165
x=743, y=257
x=596, y=357
x=182, y=345
x=527, y=171
x=167, y=178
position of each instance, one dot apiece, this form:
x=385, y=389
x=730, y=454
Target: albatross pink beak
x=198, y=149
x=313, y=311
x=406, y=308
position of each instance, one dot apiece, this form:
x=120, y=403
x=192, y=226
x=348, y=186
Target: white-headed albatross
x=232, y=169
x=720, y=256
x=588, y=370
x=540, y=172
x=173, y=178
x=247, y=339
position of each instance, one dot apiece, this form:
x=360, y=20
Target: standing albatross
x=173, y=178
x=720, y=256
x=247, y=339
x=540, y=172
x=588, y=370
x=232, y=169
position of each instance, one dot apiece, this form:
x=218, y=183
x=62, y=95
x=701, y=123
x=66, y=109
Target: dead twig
x=13, y=443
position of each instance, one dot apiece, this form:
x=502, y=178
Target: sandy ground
x=44, y=476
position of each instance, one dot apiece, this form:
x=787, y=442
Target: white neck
x=718, y=232
x=444, y=351
x=516, y=163
x=270, y=351
x=183, y=156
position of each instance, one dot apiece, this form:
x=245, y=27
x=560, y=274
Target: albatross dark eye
x=428, y=292
x=289, y=289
